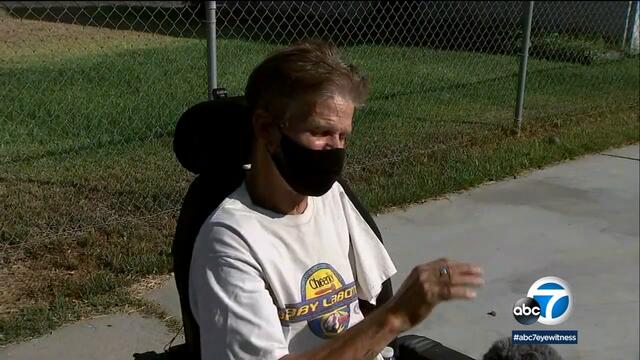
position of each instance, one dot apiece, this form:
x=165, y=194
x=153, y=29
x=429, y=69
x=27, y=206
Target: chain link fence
x=91, y=92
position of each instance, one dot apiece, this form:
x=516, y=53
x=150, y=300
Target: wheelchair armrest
x=415, y=347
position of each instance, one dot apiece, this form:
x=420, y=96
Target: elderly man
x=278, y=268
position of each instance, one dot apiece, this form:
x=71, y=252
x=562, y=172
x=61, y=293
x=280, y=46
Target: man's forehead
x=333, y=104
x=333, y=111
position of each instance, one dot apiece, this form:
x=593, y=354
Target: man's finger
x=460, y=292
x=466, y=269
x=444, y=292
x=466, y=280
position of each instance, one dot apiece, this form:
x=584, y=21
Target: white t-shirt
x=263, y=285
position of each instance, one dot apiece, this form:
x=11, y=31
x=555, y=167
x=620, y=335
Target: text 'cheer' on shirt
x=263, y=285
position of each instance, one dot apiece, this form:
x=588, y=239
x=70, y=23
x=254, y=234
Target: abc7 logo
x=548, y=302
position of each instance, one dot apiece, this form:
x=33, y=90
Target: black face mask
x=307, y=171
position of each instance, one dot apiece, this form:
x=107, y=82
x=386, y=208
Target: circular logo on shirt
x=326, y=301
x=323, y=287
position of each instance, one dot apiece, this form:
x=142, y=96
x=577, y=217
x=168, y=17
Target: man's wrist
x=392, y=322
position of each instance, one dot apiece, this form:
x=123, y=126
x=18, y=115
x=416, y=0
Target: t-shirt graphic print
x=326, y=302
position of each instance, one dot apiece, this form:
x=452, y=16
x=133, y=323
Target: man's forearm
x=363, y=341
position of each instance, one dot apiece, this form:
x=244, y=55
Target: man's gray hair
x=303, y=73
x=505, y=349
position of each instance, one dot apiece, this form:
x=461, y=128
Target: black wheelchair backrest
x=213, y=141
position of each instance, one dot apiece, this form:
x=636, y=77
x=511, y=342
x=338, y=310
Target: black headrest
x=214, y=136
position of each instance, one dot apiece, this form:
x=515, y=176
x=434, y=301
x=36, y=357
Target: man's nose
x=335, y=142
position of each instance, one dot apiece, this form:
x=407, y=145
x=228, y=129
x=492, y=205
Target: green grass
x=572, y=48
x=89, y=186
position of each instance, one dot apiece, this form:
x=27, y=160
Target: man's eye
x=320, y=133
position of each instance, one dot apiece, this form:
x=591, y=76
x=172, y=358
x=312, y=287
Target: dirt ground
x=36, y=41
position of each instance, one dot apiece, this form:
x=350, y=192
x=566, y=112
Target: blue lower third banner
x=544, y=336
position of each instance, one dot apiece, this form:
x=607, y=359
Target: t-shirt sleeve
x=230, y=300
x=371, y=263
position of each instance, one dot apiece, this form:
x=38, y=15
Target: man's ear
x=265, y=129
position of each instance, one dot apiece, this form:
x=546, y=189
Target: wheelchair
x=212, y=140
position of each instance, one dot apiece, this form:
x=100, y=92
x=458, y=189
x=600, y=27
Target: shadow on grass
x=441, y=25
x=176, y=21
x=486, y=28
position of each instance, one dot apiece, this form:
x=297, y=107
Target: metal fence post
x=626, y=26
x=211, y=49
x=522, y=76
x=634, y=41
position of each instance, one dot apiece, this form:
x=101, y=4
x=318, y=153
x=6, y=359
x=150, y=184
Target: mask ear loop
x=283, y=125
x=280, y=125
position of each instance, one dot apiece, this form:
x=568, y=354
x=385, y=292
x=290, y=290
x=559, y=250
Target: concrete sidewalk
x=577, y=220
